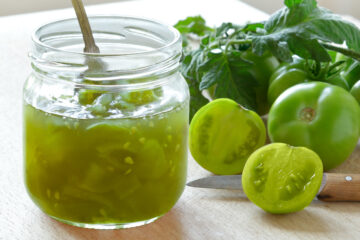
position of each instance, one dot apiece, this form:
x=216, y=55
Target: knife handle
x=340, y=187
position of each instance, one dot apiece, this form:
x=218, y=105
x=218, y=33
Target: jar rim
x=36, y=36
x=131, y=48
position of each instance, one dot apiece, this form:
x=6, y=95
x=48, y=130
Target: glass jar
x=105, y=135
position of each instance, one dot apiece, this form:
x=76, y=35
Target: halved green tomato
x=280, y=178
x=223, y=135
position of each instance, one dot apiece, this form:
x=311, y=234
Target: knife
x=335, y=187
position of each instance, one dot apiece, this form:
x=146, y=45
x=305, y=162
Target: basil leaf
x=196, y=25
x=297, y=29
x=197, y=100
x=189, y=69
x=230, y=74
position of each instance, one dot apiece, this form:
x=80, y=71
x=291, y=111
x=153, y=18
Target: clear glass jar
x=105, y=135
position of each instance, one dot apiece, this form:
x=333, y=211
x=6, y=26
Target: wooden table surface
x=199, y=214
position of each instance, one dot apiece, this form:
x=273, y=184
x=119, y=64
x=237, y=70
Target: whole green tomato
x=286, y=76
x=285, y=79
x=355, y=91
x=297, y=63
x=319, y=116
x=294, y=73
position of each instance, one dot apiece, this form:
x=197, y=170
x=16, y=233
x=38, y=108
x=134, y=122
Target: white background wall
x=7, y=7
x=349, y=7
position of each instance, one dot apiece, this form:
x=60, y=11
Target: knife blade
x=334, y=186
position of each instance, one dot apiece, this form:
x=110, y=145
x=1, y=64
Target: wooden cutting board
x=221, y=214
x=218, y=214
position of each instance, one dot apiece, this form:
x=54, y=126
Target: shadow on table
x=304, y=221
x=340, y=207
x=167, y=227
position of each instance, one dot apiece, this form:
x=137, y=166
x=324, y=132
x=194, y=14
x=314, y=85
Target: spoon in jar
x=90, y=45
x=95, y=65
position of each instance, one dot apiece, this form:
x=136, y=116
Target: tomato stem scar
x=307, y=114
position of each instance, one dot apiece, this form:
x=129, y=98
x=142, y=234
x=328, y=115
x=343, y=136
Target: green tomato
x=285, y=80
x=294, y=73
x=338, y=80
x=355, y=91
x=282, y=179
x=286, y=76
x=261, y=69
x=223, y=135
x=317, y=115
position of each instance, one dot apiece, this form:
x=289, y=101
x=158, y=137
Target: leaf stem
x=336, y=67
x=232, y=42
x=345, y=51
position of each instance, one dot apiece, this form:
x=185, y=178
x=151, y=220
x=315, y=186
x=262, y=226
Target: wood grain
x=341, y=187
x=200, y=214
